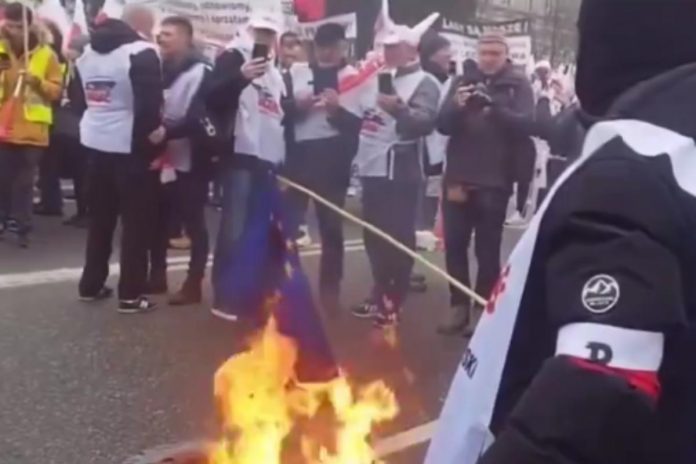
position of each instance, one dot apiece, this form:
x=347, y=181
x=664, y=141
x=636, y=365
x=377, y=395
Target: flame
x=262, y=405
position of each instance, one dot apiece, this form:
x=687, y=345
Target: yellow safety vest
x=35, y=107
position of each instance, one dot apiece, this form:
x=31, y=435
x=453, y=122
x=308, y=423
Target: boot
x=189, y=294
x=457, y=321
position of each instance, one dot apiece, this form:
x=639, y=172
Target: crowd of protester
x=149, y=132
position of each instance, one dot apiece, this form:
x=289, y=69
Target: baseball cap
x=269, y=20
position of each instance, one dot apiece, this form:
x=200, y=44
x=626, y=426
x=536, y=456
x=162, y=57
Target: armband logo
x=600, y=294
x=600, y=353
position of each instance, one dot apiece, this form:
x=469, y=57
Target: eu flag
x=263, y=263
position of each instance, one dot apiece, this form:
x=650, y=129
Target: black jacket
x=628, y=213
x=146, y=80
x=564, y=132
x=490, y=147
x=222, y=93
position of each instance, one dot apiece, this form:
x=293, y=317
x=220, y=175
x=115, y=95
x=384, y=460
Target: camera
x=480, y=97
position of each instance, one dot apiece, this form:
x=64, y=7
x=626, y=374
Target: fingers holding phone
x=255, y=68
x=463, y=94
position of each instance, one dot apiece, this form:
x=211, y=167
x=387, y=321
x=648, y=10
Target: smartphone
x=260, y=51
x=386, y=84
x=325, y=79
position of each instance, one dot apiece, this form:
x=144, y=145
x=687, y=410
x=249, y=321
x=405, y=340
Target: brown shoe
x=188, y=295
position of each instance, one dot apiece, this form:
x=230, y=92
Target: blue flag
x=265, y=262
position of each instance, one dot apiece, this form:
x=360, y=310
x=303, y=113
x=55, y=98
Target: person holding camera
x=398, y=111
x=244, y=96
x=489, y=116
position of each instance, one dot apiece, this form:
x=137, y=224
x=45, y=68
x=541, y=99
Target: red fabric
x=310, y=10
x=646, y=382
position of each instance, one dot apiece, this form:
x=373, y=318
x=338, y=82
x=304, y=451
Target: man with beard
x=585, y=353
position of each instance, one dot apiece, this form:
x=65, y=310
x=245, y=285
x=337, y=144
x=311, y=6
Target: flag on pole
x=264, y=263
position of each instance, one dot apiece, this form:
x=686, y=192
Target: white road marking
x=178, y=263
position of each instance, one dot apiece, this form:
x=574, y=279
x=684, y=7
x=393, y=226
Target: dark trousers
x=161, y=197
x=18, y=166
x=119, y=187
x=390, y=206
x=322, y=166
x=77, y=161
x=49, y=175
x=190, y=194
x=483, y=213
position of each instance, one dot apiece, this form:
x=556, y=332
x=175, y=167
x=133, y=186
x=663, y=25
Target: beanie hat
x=625, y=42
x=431, y=43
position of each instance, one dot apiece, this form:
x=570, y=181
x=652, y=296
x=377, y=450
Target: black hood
x=624, y=42
x=111, y=34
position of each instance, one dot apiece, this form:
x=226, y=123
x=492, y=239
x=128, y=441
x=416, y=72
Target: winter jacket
x=23, y=131
x=563, y=132
x=600, y=369
x=122, y=94
x=490, y=147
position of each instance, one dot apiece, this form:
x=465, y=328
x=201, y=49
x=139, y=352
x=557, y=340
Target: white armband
x=613, y=347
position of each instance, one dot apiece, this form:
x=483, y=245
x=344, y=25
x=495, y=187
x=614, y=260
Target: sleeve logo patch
x=600, y=294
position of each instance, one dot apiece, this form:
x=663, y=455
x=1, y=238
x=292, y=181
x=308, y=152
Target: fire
x=262, y=406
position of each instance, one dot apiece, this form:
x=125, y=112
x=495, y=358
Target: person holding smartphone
x=397, y=111
x=244, y=96
x=326, y=137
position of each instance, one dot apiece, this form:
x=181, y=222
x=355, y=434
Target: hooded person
x=398, y=109
x=121, y=95
x=30, y=84
x=585, y=352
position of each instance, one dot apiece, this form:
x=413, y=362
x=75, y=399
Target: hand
x=255, y=68
x=462, y=95
x=331, y=99
x=389, y=103
x=29, y=78
x=306, y=102
x=158, y=135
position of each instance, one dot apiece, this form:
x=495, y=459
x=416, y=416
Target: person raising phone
x=244, y=96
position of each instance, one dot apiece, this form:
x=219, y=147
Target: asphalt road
x=80, y=384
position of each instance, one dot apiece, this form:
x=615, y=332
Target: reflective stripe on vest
x=35, y=107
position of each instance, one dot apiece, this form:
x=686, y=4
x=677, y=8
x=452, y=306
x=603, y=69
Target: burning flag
x=288, y=378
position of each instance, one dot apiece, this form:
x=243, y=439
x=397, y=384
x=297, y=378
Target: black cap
x=329, y=34
x=624, y=42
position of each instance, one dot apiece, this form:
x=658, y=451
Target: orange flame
x=261, y=405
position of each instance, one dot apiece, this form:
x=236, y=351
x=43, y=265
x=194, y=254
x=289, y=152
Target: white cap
x=265, y=19
x=543, y=64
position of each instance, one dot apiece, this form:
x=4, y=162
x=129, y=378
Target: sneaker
x=426, y=240
x=417, y=284
x=516, y=220
x=103, y=294
x=222, y=314
x=137, y=306
x=365, y=310
x=304, y=240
